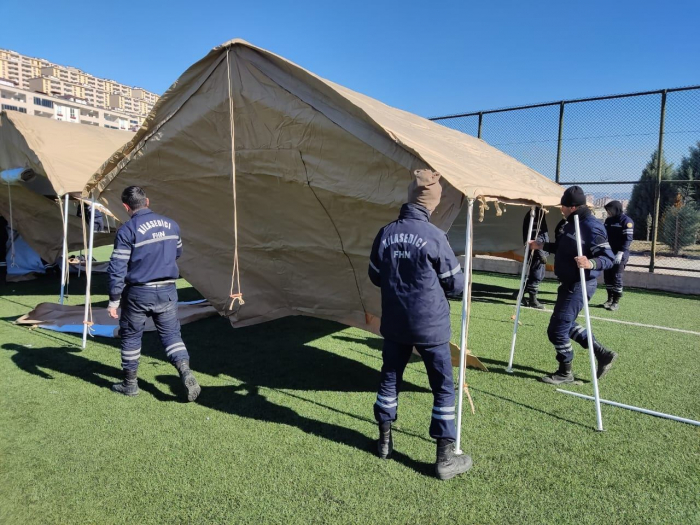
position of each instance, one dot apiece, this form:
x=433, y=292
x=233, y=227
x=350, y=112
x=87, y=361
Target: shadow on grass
x=529, y=407
x=246, y=401
x=520, y=370
x=278, y=354
x=488, y=293
x=66, y=360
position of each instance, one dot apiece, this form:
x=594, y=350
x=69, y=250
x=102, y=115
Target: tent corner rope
x=235, y=272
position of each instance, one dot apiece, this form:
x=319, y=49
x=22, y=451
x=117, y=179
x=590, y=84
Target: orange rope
x=235, y=271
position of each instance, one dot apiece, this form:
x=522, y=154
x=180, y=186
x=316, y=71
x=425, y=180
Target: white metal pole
x=634, y=408
x=521, y=291
x=591, y=354
x=88, y=274
x=64, y=263
x=465, y=315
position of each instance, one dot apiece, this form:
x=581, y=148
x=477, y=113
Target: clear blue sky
x=430, y=58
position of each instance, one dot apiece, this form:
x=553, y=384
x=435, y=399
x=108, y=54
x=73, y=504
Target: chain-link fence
x=610, y=146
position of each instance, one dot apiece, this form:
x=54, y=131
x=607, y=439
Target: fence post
x=657, y=192
x=481, y=119
x=561, y=129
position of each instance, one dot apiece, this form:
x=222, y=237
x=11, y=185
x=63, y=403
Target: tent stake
x=64, y=262
x=591, y=354
x=634, y=408
x=465, y=315
x=521, y=291
x=88, y=274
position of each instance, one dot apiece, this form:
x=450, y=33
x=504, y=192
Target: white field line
x=629, y=323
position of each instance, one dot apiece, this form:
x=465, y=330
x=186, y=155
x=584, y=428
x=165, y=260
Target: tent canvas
x=61, y=157
x=318, y=170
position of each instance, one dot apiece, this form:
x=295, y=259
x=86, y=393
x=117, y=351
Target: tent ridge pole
x=591, y=353
x=88, y=273
x=64, y=262
x=465, y=314
x=521, y=291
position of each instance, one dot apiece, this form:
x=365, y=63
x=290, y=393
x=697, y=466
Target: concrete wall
x=633, y=279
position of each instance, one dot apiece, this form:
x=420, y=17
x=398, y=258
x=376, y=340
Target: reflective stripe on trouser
x=562, y=325
x=159, y=303
x=535, y=276
x=613, y=277
x=438, y=364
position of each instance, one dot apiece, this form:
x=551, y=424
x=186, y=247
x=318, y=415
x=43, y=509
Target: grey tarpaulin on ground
x=60, y=317
x=319, y=169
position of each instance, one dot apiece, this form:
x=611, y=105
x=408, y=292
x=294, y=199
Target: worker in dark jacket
x=596, y=258
x=416, y=269
x=142, y=274
x=620, y=229
x=537, y=258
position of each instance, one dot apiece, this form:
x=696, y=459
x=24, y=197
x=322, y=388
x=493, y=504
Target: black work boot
x=561, y=376
x=615, y=304
x=448, y=464
x=188, y=379
x=128, y=387
x=605, y=359
x=534, y=303
x=607, y=303
x=385, y=443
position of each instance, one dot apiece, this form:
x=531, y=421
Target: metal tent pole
x=88, y=273
x=465, y=315
x=634, y=408
x=521, y=292
x=591, y=354
x=64, y=263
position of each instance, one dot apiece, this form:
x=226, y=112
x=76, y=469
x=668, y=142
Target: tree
x=689, y=170
x=641, y=202
x=680, y=225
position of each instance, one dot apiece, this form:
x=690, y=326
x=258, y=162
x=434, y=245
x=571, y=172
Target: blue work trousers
x=160, y=303
x=613, y=276
x=563, y=326
x=536, y=274
x=438, y=364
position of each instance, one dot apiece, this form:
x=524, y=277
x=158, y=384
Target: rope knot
x=236, y=297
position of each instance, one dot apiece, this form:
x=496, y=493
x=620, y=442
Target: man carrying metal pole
x=596, y=257
x=416, y=269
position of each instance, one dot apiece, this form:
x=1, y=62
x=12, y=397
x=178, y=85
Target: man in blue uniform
x=596, y=257
x=416, y=269
x=142, y=274
x=620, y=229
x=538, y=258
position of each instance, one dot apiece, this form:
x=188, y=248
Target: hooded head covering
x=614, y=207
x=425, y=189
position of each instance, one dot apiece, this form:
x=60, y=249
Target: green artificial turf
x=283, y=431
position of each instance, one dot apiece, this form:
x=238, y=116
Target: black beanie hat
x=573, y=196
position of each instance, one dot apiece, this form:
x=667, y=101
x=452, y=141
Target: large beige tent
x=59, y=158
x=318, y=170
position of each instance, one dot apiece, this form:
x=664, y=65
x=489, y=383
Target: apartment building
x=39, y=87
